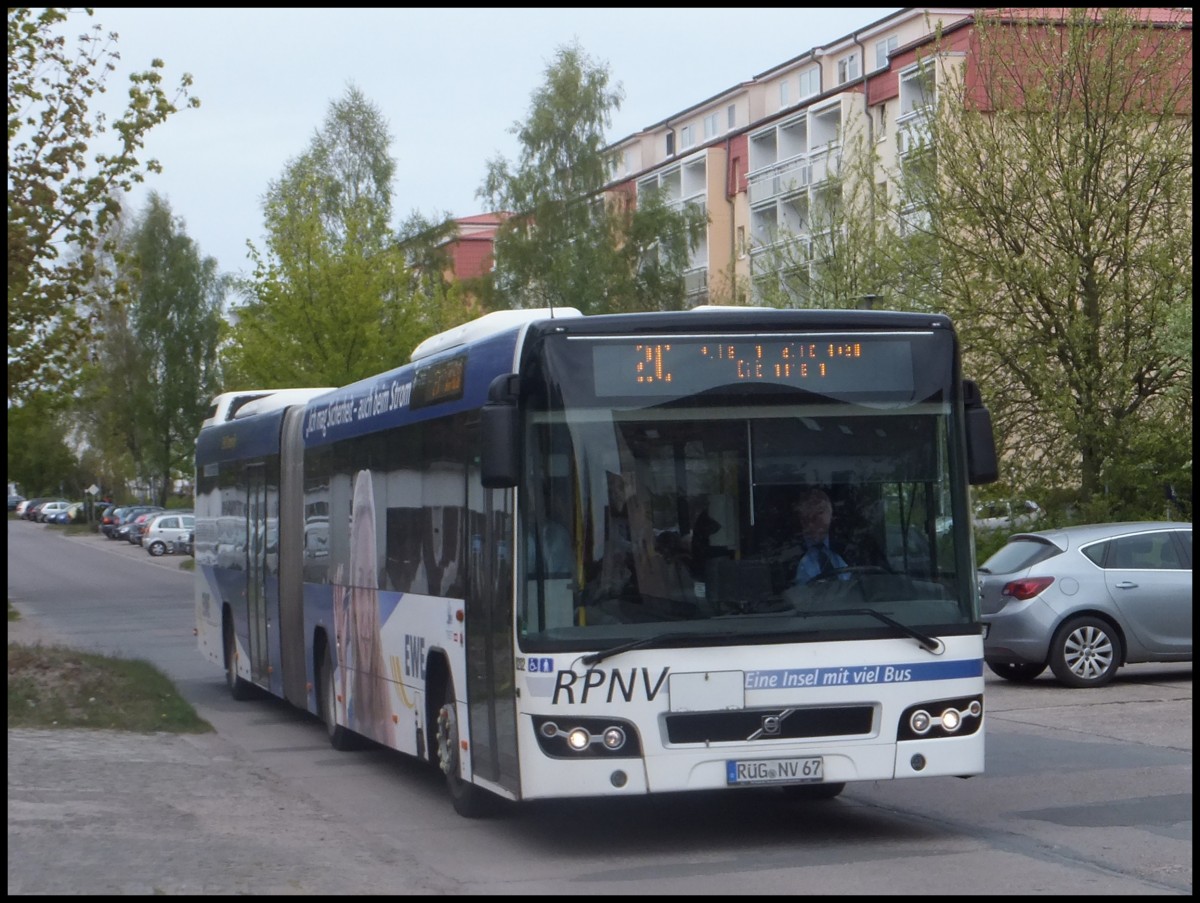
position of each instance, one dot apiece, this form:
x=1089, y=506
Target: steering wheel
x=836, y=573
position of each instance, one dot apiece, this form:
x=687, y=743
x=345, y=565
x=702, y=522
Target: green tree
x=331, y=300
x=62, y=192
x=567, y=244
x=39, y=456
x=1057, y=191
x=175, y=318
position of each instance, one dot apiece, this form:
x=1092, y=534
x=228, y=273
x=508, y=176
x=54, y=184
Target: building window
x=783, y=94
x=711, y=125
x=883, y=49
x=732, y=116
x=810, y=82
x=670, y=143
x=687, y=136
x=848, y=68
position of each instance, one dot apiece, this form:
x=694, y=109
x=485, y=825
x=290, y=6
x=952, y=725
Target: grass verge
x=58, y=687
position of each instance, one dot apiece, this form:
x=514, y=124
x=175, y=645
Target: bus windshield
x=682, y=486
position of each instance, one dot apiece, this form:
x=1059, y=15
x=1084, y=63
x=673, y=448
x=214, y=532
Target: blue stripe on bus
x=860, y=675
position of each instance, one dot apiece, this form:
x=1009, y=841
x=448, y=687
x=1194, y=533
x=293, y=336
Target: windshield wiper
x=928, y=643
x=593, y=657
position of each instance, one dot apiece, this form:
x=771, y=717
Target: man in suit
x=819, y=559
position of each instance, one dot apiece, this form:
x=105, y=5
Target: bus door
x=490, y=666
x=256, y=567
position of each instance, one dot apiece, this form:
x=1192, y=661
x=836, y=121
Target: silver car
x=1086, y=600
x=164, y=532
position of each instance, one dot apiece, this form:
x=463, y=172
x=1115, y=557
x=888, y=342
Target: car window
x=1020, y=554
x=1097, y=552
x=1185, y=539
x=1146, y=551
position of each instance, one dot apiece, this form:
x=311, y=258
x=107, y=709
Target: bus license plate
x=775, y=771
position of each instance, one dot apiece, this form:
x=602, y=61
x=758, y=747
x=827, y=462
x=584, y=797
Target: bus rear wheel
x=340, y=738
x=239, y=689
x=469, y=801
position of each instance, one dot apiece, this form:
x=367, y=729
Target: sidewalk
x=113, y=812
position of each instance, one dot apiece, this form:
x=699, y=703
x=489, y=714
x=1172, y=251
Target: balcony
x=695, y=282
x=826, y=163
x=912, y=133
x=778, y=180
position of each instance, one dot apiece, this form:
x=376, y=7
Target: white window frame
x=848, y=68
x=783, y=94
x=712, y=125
x=883, y=49
x=810, y=82
x=687, y=136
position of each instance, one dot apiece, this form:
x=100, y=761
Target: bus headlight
x=614, y=738
x=586, y=738
x=943, y=718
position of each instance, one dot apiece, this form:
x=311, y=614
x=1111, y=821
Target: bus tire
x=469, y=801
x=341, y=738
x=813, y=792
x=239, y=689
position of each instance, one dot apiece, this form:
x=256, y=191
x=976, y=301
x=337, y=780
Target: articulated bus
x=557, y=555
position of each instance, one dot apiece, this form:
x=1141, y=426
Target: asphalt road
x=1085, y=791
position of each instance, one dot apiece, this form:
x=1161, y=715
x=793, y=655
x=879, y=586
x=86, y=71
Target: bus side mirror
x=499, y=433
x=982, y=466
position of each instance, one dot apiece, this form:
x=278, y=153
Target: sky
x=451, y=83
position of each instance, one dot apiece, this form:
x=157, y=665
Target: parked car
x=1086, y=600
x=138, y=524
x=1021, y=514
x=14, y=500
x=128, y=516
x=68, y=515
x=163, y=531
x=186, y=546
x=51, y=508
x=29, y=512
x=110, y=519
x=23, y=506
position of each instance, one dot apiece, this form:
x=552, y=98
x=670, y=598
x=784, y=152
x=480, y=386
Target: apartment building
x=759, y=157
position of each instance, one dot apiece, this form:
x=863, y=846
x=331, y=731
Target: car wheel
x=1018, y=673
x=1085, y=652
x=340, y=738
x=156, y=548
x=469, y=801
x=239, y=689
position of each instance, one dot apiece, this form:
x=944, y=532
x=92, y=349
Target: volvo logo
x=771, y=725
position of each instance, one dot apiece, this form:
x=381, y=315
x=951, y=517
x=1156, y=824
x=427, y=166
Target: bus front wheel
x=469, y=801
